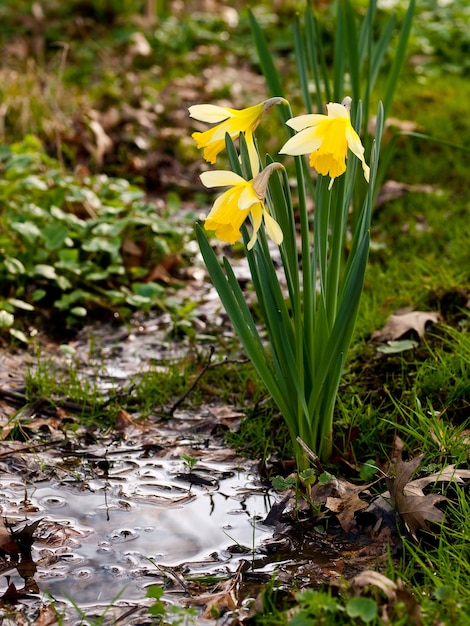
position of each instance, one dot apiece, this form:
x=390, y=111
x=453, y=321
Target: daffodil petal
x=257, y=216
x=356, y=147
x=305, y=141
x=209, y=113
x=247, y=198
x=220, y=178
x=336, y=110
x=305, y=121
x=273, y=229
x=253, y=154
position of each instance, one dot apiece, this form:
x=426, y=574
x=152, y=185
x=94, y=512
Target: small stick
x=206, y=367
x=182, y=398
x=315, y=459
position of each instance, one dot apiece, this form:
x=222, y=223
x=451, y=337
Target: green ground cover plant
x=68, y=240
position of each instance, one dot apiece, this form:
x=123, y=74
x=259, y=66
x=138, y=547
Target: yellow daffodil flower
x=327, y=139
x=233, y=122
x=232, y=207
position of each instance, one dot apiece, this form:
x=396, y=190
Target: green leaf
x=398, y=58
x=364, y=608
x=109, y=230
x=267, y=63
x=395, y=347
x=20, y=304
x=68, y=299
x=14, y=266
x=28, y=230
x=18, y=334
x=6, y=319
x=33, y=182
x=369, y=470
x=148, y=290
x=46, y=271
x=55, y=235
x=78, y=311
x=281, y=484
x=38, y=294
x=101, y=244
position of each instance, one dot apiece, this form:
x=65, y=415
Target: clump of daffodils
x=306, y=333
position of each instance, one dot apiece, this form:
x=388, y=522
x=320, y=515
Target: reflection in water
x=127, y=530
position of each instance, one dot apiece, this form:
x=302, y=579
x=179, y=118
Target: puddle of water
x=134, y=527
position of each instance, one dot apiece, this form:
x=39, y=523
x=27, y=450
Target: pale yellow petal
x=356, y=147
x=337, y=110
x=305, y=141
x=305, y=121
x=248, y=197
x=220, y=178
x=273, y=229
x=257, y=215
x=209, y=113
x=253, y=154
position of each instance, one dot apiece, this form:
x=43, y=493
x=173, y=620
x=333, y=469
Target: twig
x=182, y=398
x=206, y=367
x=315, y=459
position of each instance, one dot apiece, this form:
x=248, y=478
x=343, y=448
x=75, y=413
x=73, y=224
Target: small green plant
x=73, y=243
x=171, y=614
x=189, y=462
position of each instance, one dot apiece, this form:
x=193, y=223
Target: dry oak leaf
x=404, y=321
x=342, y=498
x=415, y=508
x=371, y=577
x=345, y=509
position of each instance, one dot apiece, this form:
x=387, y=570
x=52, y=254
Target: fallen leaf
x=345, y=509
x=103, y=142
x=47, y=616
x=371, y=577
x=7, y=542
x=402, y=322
x=448, y=474
x=222, y=599
x=392, y=189
x=415, y=508
x=403, y=125
x=341, y=497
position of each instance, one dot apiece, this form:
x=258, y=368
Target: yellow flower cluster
x=326, y=138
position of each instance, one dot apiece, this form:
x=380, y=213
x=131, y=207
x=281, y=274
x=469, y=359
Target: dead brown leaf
x=224, y=597
x=393, y=189
x=103, y=142
x=7, y=542
x=448, y=474
x=403, y=125
x=402, y=322
x=394, y=593
x=341, y=497
x=47, y=616
x=415, y=508
x=345, y=508
x=371, y=577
